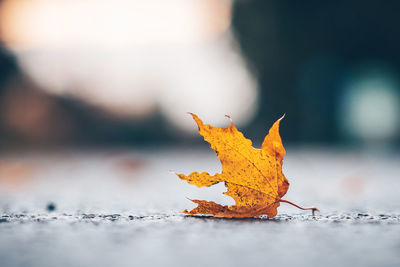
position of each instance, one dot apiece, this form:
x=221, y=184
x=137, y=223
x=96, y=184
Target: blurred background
x=121, y=75
x=105, y=73
x=94, y=96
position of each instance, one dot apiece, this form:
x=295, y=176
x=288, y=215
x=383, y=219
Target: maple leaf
x=253, y=177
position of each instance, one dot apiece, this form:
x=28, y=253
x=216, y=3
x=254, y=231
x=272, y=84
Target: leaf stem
x=313, y=209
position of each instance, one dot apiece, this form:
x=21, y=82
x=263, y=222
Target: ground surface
x=123, y=208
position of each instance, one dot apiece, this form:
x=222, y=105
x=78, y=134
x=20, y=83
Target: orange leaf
x=253, y=176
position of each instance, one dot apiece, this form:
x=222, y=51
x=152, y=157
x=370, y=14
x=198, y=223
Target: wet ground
x=104, y=208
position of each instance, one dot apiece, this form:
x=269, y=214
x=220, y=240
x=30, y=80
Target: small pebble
x=51, y=207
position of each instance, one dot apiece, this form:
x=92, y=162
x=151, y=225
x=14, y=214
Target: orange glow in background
x=135, y=58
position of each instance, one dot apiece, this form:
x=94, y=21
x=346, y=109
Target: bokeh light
x=135, y=58
x=370, y=110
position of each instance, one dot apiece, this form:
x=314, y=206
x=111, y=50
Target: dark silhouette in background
x=303, y=50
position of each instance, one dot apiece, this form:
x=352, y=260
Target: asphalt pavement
x=123, y=207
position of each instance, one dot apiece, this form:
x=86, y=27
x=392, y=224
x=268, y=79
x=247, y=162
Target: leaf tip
x=194, y=116
x=190, y=199
x=229, y=118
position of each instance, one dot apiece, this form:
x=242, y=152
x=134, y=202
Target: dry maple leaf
x=253, y=176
